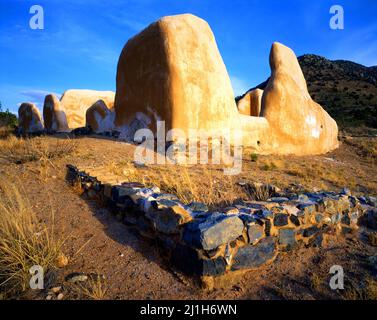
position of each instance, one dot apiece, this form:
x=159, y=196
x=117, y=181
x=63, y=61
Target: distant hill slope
x=347, y=90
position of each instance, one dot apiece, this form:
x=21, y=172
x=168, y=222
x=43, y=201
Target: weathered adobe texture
x=54, y=115
x=218, y=246
x=251, y=103
x=99, y=117
x=173, y=71
x=297, y=123
x=77, y=102
x=68, y=113
x=29, y=118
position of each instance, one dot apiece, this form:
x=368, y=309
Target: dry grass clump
x=315, y=281
x=20, y=150
x=260, y=192
x=267, y=165
x=93, y=289
x=365, y=147
x=367, y=291
x=189, y=184
x=5, y=132
x=323, y=174
x=23, y=241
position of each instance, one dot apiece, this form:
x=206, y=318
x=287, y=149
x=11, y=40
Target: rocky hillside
x=347, y=90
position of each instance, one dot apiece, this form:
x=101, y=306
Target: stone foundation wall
x=212, y=245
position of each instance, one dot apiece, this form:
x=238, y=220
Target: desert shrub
x=7, y=119
x=254, y=157
x=260, y=192
x=92, y=289
x=269, y=166
x=24, y=241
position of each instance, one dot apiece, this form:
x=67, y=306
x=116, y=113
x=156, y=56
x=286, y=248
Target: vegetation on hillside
x=346, y=90
x=8, y=121
x=7, y=118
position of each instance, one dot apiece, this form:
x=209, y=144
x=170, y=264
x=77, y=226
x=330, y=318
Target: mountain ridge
x=345, y=89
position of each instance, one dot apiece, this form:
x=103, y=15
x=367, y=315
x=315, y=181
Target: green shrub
x=7, y=118
x=254, y=157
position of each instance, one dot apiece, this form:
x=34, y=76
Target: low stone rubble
x=211, y=244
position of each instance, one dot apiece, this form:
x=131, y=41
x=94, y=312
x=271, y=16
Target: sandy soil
x=96, y=242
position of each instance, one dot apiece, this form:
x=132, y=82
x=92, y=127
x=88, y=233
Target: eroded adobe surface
x=54, y=115
x=173, y=71
x=99, y=117
x=77, y=102
x=298, y=125
x=251, y=103
x=29, y=118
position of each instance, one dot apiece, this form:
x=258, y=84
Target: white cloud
x=37, y=96
x=11, y=96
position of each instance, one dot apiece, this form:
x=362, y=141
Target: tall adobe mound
x=173, y=71
x=77, y=102
x=298, y=124
x=54, y=115
x=29, y=118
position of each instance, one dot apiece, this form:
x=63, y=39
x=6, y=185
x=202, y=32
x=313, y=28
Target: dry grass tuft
x=368, y=291
x=23, y=241
x=365, y=147
x=20, y=150
x=260, y=192
x=5, y=132
x=93, y=289
x=201, y=184
x=315, y=281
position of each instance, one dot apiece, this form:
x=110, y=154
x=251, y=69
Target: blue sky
x=81, y=40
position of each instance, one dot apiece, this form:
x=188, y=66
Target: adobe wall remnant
x=251, y=103
x=29, y=118
x=77, y=102
x=173, y=71
x=54, y=115
x=99, y=117
x=218, y=245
